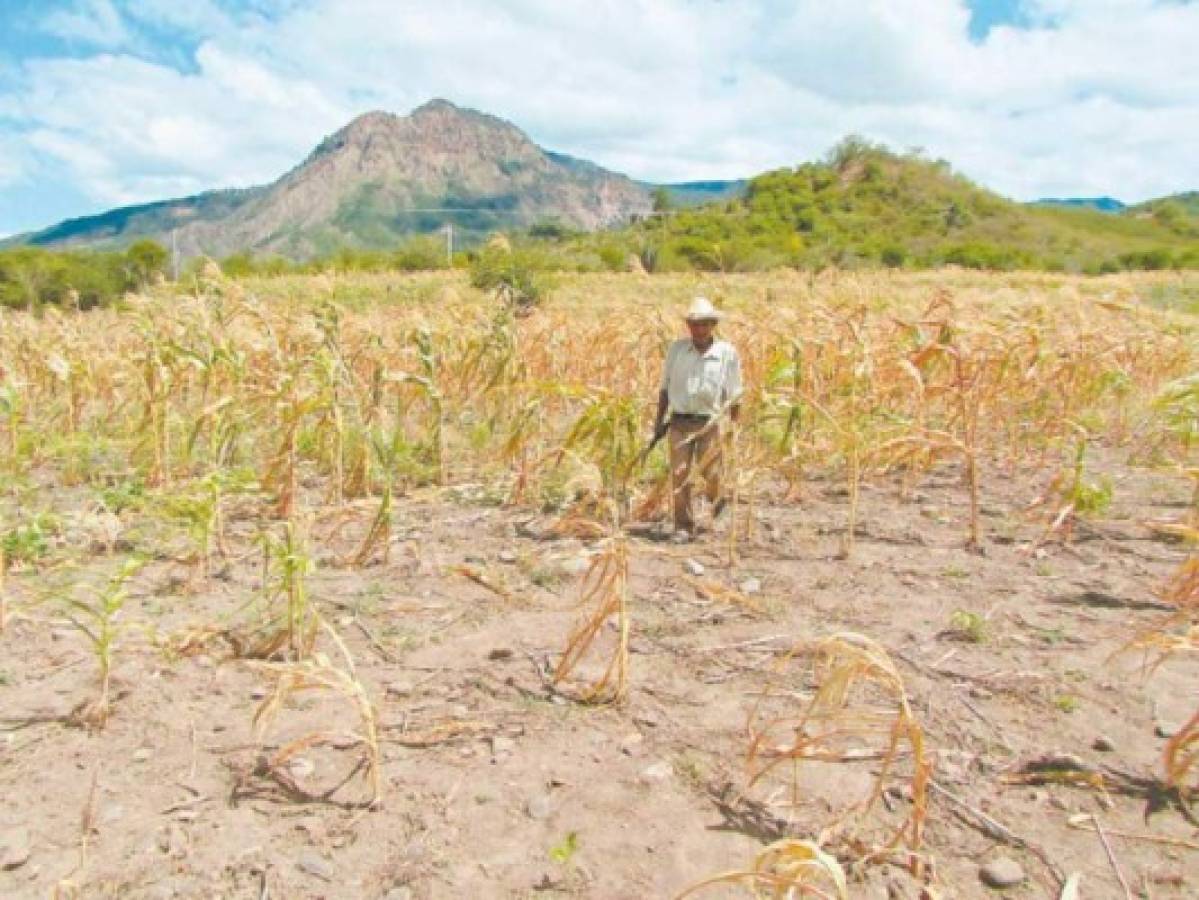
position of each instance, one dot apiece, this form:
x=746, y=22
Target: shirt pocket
x=707, y=380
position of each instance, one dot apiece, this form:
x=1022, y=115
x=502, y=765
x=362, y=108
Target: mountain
x=695, y=193
x=1103, y=204
x=376, y=180
x=118, y=226
x=866, y=206
x=384, y=177
x=1177, y=212
x=1187, y=201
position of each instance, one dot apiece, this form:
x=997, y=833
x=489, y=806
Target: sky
x=107, y=103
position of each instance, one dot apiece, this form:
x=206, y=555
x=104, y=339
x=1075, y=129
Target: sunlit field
x=382, y=561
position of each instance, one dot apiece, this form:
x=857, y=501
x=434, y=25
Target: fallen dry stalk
x=483, y=579
x=711, y=589
x=858, y=712
x=317, y=673
x=1177, y=632
x=997, y=830
x=1085, y=822
x=603, y=597
x=1111, y=857
x=1181, y=759
x=786, y=869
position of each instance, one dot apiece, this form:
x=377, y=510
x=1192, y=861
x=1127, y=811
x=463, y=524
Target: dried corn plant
x=1177, y=631
x=278, y=378
x=316, y=673
x=840, y=703
x=785, y=870
x=603, y=600
x=286, y=567
x=712, y=590
x=1181, y=761
x=1071, y=495
x=282, y=623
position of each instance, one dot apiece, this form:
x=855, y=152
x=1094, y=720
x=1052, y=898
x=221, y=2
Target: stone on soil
x=314, y=865
x=539, y=807
x=658, y=773
x=14, y=847
x=1003, y=872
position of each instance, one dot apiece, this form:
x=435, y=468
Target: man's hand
x=660, y=428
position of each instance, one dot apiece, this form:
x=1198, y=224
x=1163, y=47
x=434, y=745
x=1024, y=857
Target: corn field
x=300, y=409
x=256, y=389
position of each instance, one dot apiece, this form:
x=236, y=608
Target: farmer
x=701, y=381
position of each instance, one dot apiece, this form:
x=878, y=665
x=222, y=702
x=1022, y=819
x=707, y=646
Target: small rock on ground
x=539, y=807
x=630, y=745
x=1103, y=744
x=500, y=744
x=751, y=586
x=174, y=842
x=14, y=847
x=314, y=865
x=576, y=565
x=693, y=567
x=1002, y=872
x=656, y=774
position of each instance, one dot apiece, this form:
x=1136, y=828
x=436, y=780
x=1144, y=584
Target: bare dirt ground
x=494, y=787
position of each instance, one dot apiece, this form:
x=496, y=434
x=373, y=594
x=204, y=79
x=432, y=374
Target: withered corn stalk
x=789, y=869
x=603, y=601
x=857, y=711
x=318, y=673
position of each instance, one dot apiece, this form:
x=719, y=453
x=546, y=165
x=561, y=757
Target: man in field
x=701, y=381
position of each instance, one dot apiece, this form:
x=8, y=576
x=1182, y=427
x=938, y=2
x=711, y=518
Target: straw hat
x=702, y=310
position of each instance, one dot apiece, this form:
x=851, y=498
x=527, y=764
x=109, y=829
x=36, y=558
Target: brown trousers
x=693, y=457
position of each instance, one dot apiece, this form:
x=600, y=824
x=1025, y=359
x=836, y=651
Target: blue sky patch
x=987, y=14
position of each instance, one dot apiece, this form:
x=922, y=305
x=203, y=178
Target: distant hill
x=695, y=193
x=1188, y=201
x=867, y=206
x=123, y=225
x=1178, y=213
x=379, y=178
x=1103, y=204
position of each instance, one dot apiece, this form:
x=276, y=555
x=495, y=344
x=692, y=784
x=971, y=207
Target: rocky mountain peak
x=383, y=176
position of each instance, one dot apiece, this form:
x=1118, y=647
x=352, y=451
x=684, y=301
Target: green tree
x=146, y=259
x=516, y=275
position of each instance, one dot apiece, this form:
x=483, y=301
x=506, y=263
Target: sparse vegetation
x=971, y=626
x=397, y=464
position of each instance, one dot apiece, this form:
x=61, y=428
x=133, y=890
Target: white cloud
x=140, y=128
x=12, y=161
x=95, y=22
x=203, y=17
x=1101, y=96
